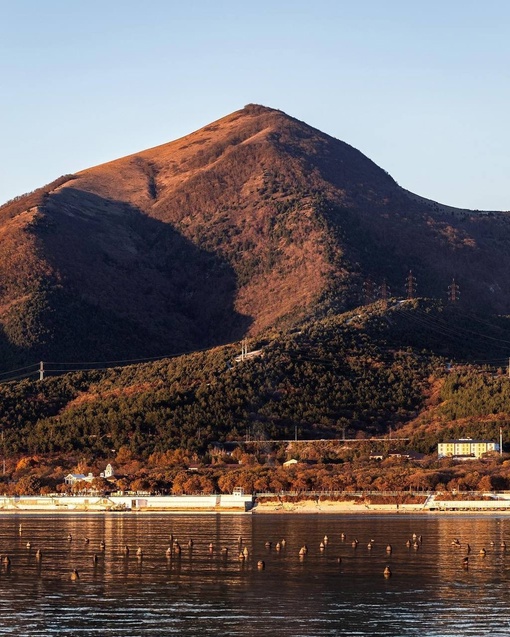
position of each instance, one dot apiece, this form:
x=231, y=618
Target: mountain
x=257, y=221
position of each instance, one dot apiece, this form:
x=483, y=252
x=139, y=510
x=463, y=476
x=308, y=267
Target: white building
x=71, y=478
x=108, y=472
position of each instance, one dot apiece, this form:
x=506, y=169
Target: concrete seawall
x=191, y=503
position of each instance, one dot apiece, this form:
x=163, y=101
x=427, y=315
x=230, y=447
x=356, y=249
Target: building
x=72, y=478
x=465, y=448
x=405, y=455
x=397, y=454
x=108, y=472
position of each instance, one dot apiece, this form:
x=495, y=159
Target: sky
x=421, y=87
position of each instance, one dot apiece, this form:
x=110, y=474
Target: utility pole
x=41, y=371
x=501, y=441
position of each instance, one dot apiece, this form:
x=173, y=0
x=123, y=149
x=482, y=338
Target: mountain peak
x=253, y=222
x=259, y=109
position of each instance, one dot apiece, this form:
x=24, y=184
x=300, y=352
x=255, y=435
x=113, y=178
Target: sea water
x=208, y=590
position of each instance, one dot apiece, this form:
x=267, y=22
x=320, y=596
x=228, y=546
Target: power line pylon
x=410, y=285
x=384, y=293
x=368, y=292
x=453, y=292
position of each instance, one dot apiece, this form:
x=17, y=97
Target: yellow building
x=465, y=448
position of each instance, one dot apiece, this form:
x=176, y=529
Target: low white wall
x=133, y=502
x=474, y=505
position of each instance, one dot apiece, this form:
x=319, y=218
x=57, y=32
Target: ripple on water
x=212, y=593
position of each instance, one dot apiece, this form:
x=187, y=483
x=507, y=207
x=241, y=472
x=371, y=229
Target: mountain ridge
x=255, y=221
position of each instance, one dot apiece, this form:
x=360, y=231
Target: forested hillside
x=376, y=372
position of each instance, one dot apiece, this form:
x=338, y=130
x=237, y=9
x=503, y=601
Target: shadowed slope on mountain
x=120, y=284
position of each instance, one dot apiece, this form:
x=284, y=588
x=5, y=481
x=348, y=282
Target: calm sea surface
x=211, y=592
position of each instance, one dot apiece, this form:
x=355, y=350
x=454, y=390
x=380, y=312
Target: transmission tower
x=384, y=293
x=368, y=292
x=453, y=292
x=410, y=285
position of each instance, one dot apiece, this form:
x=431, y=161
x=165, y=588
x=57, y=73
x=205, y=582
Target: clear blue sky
x=420, y=87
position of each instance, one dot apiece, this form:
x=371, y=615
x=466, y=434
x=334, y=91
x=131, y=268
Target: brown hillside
x=253, y=221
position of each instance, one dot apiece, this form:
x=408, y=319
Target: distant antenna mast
x=453, y=292
x=41, y=371
x=410, y=285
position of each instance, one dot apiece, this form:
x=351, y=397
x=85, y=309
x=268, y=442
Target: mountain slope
x=360, y=374
x=255, y=221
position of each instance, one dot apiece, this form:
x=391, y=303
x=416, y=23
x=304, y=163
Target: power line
x=417, y=315
x=445, y=330
x=20, y=377
x=19, y=369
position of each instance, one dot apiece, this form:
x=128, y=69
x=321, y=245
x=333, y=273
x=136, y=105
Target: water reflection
x=339, y=590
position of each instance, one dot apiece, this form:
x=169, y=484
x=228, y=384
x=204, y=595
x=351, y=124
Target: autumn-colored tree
x=140, y=485
x=485, y=483
x=27, y=485
x=229, y=481
x=121, y=484
x=102, y=485
x=178, y=486
x=81, y=486
x=124, y=455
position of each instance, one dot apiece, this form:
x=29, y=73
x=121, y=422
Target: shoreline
x=329, y=507
x=246, y=505
x=261, y=510
x=333, y=507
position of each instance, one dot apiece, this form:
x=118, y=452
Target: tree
x=27, y=485
x=140, y=485
x=102, y=485
x=485, y=484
